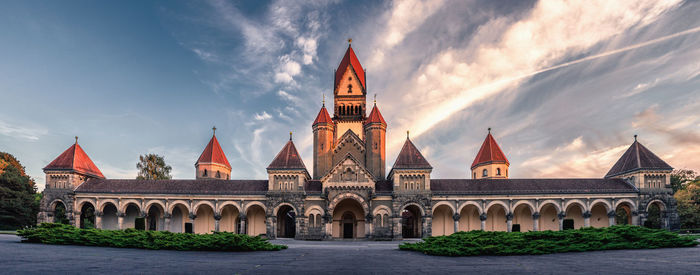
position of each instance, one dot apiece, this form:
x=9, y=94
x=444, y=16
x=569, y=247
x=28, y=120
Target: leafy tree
x=153, y=167
x=680, y=177
x=18, y=207
x=689, y=204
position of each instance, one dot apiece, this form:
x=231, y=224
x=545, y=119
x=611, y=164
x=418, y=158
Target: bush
x=53, y=233
x=475, y=243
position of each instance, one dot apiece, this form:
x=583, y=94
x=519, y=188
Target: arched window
x=405, y=185
x=311, y=220
x=318, y=220
x=378, y=220
x=498, y=171
x=205, y=173
x=349, y=88
x=485, y=173
x=218, y=174
x=474, y=175
x=385, y=222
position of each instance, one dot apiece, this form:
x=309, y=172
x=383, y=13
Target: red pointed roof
x=76, y=160
x=350, y=59
x=323, y=116
x=287, y=158
x=410, y=158
x=213, y=154
x=375, y=116
x=490, y=152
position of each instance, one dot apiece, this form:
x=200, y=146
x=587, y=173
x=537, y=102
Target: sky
x=564, y=85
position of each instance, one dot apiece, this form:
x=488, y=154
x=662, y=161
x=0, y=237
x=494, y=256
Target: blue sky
x=564, y=85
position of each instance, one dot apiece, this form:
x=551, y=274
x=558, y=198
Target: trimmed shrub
x=53, y=233
x=474, y=243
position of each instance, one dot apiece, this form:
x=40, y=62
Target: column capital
x=561, y=215
x=121, y=214
x=482, y=217
x=167, y=215
x=98, y=213
x=369, y=218
x=509, y=216
x=586, y=214
x=192, y=216
x=611, y=214
x=217, y=217
x=536, y=215
x=456, y=217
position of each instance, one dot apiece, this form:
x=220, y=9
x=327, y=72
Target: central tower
x=350, y=94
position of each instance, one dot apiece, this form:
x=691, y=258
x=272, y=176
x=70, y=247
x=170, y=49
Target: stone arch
x=196, y=206
x=381, y=209
x=556, y=205
x=660, y=203
x=80, y=202
x=227, y=203
x=443, y=219
x=252, y=203
x=530, y=205
x=447, y=203
x=576, y=201
x=407, y=204
x=344, y=196
x=105, y=202
x=175, y=203
x=606, y=203
x=127, y=202
x=475, y=204
x=314, y=209
x=157, y=202
x=501, y=203
x=600, y=210
x=281, y=204
x=55, y=202
x=629, y=202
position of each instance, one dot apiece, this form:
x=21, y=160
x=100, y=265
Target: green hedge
x=52, y=233
x=475, y=243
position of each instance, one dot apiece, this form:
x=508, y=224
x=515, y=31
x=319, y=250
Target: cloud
x=262, y=116
x=22, y=132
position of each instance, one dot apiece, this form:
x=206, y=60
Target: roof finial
x=214, y=129
x=635, y=137
x=407, y=134
x=489, y=130
x=349, y=41
x=323, y=102
x=375, y=99
x=76, y=139
x=290, y=135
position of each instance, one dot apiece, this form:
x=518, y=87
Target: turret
x=641, y=167
x=323, y=127
x=71, y=168
x=411, y=172
x=375, y=143
x=490, y=162
x=212, y=163
x=287, y=172
x=349, y=95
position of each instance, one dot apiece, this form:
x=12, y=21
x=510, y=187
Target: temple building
x=350, y=194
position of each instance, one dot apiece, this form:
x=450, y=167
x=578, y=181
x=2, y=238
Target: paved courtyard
x=331, y=257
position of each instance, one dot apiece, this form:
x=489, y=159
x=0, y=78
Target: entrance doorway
x=286, y=222
x=348, y=225
x=411, y=222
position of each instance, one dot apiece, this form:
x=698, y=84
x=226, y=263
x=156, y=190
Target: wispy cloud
x=21, y=132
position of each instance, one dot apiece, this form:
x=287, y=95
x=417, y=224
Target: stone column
x=482, y=217
x=120, y=219
x=98, y=219
x=536, y=221
x=635, y=218
x=192, y=217
x=167, y=220
x=455, y=218
x=217, y=218
x=509, y=222
x=368, y=226
x=328, y=226
x=76, y=219
x=243, y=229
x=561, y=216
x=587, y=219
x=611, y=218
x=398, y=231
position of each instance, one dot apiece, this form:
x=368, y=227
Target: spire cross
x=375, y=99
x=635, y=137
x=76, y=139
x=407, y=134
x=290, y=135
x=349, y=41
x=214, y=129
x=489, y=130
x=324, y=100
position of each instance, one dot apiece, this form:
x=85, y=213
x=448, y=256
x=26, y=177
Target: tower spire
x=635, y=137
x=76, y=139
x=214, y=129
x=323, y=101
x=290, y=135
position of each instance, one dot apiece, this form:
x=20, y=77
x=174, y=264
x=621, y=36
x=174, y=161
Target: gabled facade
x=351, y=195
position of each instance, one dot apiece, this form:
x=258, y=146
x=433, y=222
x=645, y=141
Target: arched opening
x=229, y=219
x=348, y=225
x=443, y=223
x=599, y=216
x=178, y=218
x=87, y=216
x=348, y=219
x=132, y=212
x=110, y=220
x=549, y=219
x=485, y=173
x=496, y=218
x=654, y=215
x=154, y=219
x=204, y=220
x=469, y=218
x=574, y=217
x=255, y=222
x=59, y=213
x=522, y=219
x=498, y=171
x=286, y=222
x=623, y=214
x=411, y=221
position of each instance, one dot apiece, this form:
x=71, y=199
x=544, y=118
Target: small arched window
x=498, y=171
x=378, y=220
x=311, y=220
x=218, y=174
x=205, y=173
x=385, y=222
x=318, y=220
x=349, y=88
x=485, y=173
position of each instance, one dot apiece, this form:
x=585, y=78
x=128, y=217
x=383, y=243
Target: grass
x=476, y=243
x=51, y=233
x=9, y=232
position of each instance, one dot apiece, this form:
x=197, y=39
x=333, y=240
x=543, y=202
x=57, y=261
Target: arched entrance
x=132, y=212
x=348, y=219
x=204, y=220
x=286, y=222
x=654, y=215
x=178, y=218
x=623, y=214
x=229, y=219
x=154, y=220
x=255, y=220
x=411, y=221
x=443, y=223
x=522, y=219
x=496, y=218
x=599, y=216
x=110, y=220
x=59, y=213
x=469, y=218
x=549, y=219
x=87, y=216
x=574, y=217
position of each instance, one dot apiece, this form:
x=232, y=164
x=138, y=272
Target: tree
x=688, y=200
x=679, y=177
x=18, y=206
x=153, y=167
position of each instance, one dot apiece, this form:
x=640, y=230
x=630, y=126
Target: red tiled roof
x=323, y=116
x=410, y=158
x=288, y=158
x=350, y=59
x=75, y=159
x=188, y=187
x=375, y=116
x=489, y=153
x=529, y=186
x=637, y=157
x=213, y=154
